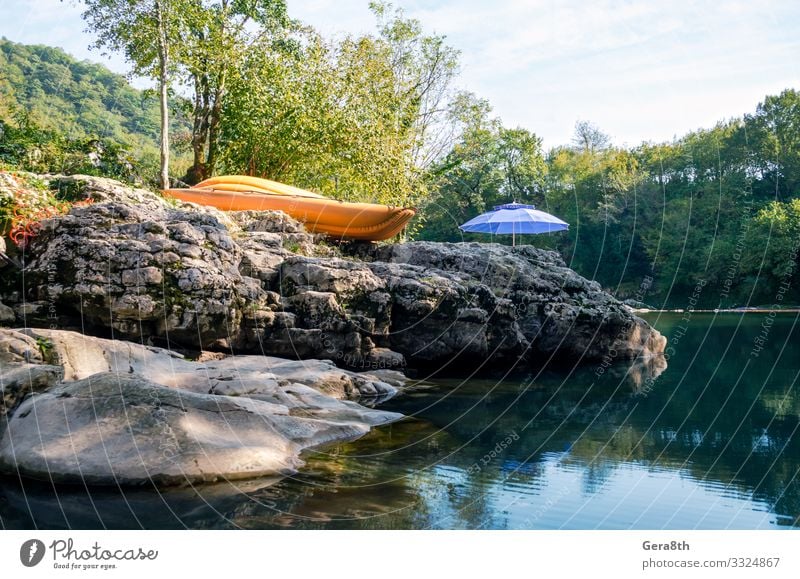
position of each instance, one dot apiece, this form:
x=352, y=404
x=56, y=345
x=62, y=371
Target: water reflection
x=709, y=442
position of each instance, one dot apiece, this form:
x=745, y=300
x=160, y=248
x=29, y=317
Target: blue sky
x=639, y=70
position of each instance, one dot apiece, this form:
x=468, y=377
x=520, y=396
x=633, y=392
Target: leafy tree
x=589, y=138
x=773, y=242
x=217, y=36
x=489, y=165
x=424, y=68
x=148, y=33
x=775, y=132
x=89, y=120
x=360, y=118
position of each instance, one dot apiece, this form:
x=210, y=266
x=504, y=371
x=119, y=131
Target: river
x=709, y=442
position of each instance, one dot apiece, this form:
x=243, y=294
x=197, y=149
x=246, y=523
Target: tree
x=522, y=165
x=360, y=118
x=218, y=34
x=488, y=165
x=148, y=32
x=424, y=67
x=325, y=120
x=83, y=118
x=775, y=133
x=589, y=138
x=773, y=241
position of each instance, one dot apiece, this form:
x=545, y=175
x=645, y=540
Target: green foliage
x=216, y=36
x=26, y=201
x=45, y=347
x=59, y=115
x=356, y=119
x=720, y=206
x=149, y=33
x=489, y=165
x=773, y=242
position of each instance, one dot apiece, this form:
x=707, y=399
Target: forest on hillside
x=61, y=114
x=711, y=219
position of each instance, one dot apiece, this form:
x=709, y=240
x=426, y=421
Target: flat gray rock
x=83, y=409
x=122, y=429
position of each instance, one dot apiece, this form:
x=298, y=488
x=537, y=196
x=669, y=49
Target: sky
x=640, y=71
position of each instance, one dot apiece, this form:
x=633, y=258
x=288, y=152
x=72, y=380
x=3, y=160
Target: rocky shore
x=137, y=267
x=82, y=409
x=301, y=315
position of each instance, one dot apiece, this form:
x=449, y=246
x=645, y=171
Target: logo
x=32, y=552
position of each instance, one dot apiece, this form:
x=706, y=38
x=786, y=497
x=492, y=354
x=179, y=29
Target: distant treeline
x=711, y=219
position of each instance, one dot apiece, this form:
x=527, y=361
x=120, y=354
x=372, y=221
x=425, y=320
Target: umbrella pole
x=513, y=236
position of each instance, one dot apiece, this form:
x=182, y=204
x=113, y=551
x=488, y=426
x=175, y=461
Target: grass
x=292, y=246
x=45, y=348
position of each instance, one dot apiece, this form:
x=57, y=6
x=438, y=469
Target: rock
x=19, y=380
x=255, y=282
x=384, y=359
x=18, y=348
x=525, y=302
x=113, y=412
x=83, y=356
x=6, y=314
x=114, y=428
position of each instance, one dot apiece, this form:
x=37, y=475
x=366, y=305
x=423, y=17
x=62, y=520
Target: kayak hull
x=253, y=184
x=364, y=221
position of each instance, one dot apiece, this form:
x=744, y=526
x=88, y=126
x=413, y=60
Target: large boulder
x=80, y=408
x=255, y=282
x=436, y=303
x=82, y=356
x=115, y=428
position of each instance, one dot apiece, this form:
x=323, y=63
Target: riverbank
x=127, y=262
x=170, y=343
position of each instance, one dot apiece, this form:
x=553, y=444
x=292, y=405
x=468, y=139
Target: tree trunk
x=163, y=81
x=197, y=172
x=213, y=131
x=164, y=133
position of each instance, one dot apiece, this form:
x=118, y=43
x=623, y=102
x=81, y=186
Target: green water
x=710, y=442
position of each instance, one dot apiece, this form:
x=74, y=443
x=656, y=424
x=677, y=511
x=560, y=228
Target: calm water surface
x=709, y=442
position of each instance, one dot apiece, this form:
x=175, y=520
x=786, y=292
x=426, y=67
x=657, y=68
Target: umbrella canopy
x=514, y=218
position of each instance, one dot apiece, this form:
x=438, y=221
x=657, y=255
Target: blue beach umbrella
x=514, y=218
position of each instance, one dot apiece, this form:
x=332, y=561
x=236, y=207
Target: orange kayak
x=365, y=221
